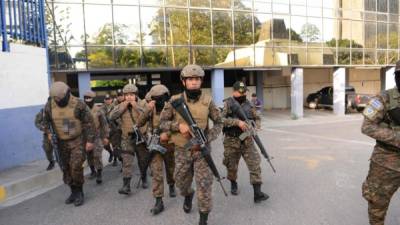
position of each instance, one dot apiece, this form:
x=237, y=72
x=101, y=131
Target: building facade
x=284, y=49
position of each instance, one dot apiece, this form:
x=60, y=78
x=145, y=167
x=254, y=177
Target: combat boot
x=72, y=196
x=92, y=173
x=79, y=199
x=187, y=204
x=158, y=207
x=259, y=196
x=172, y=192
x=99, y=178
x=51, y=165
x=203, y=218
x=145, y=185
x=126, y=188
x=234, y=188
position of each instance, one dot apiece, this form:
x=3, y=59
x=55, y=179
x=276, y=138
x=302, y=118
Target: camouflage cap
x=192, y=70
x=158, y=90
x=90, y=94
x=130, y=88
x=397, y=69
x=240, y=86
x=59, y=89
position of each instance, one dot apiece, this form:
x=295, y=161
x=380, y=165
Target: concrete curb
x=32, y=185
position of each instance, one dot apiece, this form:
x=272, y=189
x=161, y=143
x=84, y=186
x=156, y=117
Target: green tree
x=108, y=83
x=294, y=36
x=344, y=51
x=177, y=33
x=310, y=32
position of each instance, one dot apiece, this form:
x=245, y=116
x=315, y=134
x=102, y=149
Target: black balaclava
x=64, y=101
x=241, y=99
x=89, y=103
x=397, y=80
x=160, y=101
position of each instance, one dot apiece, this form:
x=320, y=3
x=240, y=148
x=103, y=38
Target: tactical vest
x=95, y=113
x=155, y=120
x=108, y=109
x=199, y=111
x=394, y=102
x=235, y=131
x=127, y=123
x=66, y=125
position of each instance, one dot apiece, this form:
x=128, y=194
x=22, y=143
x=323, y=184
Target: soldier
x=235, y=148
x=189, y=163
x=120, y=97
x=128, y=112
x=71, y=120
x=115, y=129
x=106, y=108
x=95, y=157
x=157, y=96
x=382, y=122
x=46, y=144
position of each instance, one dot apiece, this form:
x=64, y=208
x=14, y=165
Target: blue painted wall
x=20, y=141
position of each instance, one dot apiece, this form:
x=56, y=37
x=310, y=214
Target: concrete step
x=27, y=181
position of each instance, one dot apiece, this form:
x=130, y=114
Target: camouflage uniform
x=384, y=173
x=72, y=150
x=191, y=163
x=235, y=148
x=115, y=132
x=106, y=110
x=71, y=122
x=95, y=157
x=46, y=144
x=128, y=149
x=129, y=115
x=158, y=161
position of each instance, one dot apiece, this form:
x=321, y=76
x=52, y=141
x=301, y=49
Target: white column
x=339, y=91
x=389, y=78
x=83, y=83
x=296, y=95
x=217, y=86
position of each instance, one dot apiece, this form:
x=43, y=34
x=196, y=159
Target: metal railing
x=22, y=20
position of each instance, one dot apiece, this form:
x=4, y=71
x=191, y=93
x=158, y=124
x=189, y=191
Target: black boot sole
x=188, y=208
x=261, y=199
x=122, y=192
x=157, y=211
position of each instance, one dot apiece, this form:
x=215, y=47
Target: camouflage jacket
x=39, y=120
x=230, y=121
x=104, y=129
x=379, y=126
x=168, y=122
x=82, y=113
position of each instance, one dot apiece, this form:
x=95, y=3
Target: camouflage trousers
x=157, y=165
x=95, y=157
x=115, y=140
x=378, y=189
x=234, y=150
x=72, y=157
x=47, y=148
x=187, y=165
x=128, y=152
